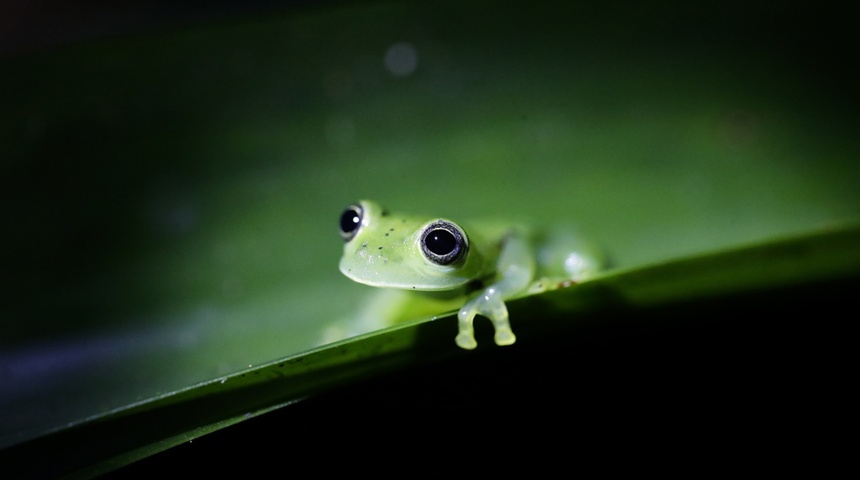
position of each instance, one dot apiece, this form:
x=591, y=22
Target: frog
x=471, y=267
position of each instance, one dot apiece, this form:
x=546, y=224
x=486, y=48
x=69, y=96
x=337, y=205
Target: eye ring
x=443, y=242
x=350, y=221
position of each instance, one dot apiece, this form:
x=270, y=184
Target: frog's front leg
x=515, y=270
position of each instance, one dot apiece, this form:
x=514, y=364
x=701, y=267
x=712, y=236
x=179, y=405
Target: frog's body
x=473, y=267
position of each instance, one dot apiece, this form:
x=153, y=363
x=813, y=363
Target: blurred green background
x=170, y=196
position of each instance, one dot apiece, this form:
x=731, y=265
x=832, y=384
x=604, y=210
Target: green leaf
x=125, y=435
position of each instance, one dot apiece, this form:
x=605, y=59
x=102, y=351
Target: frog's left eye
x=350, y=221
x=443, y=243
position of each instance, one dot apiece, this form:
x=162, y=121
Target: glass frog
x=428, y=265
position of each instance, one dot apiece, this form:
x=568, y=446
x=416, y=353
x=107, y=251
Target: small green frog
x=436, y=265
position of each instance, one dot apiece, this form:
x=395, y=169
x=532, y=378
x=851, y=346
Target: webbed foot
x=466, y=341
x=504, y=336
x=490, y=304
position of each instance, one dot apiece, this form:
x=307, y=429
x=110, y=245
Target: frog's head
x=399, y=251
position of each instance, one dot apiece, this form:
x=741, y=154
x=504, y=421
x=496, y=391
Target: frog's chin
x=361, y=276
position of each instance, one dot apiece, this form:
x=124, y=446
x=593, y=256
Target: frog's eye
x=350, y=220
x=443, y=243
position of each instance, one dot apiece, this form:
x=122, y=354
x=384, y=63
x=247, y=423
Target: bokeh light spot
x=401, y=59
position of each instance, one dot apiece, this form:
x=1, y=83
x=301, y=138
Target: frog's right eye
x=443, y=242
x=350, y=221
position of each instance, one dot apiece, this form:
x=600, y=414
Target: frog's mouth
x=404, y=278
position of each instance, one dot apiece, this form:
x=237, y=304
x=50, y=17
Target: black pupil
x=441, y=242
x=349, y=220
